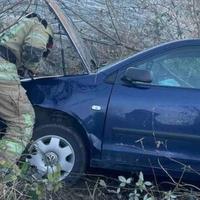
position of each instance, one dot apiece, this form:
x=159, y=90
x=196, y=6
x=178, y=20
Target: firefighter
x=24, y=44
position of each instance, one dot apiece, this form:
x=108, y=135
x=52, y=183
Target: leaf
x=118, y=190
x=141, y=177
x=128, y=181
x=150, y=198
x=112, y=191
x=122, y=179
x=173, y=196
x=145, y=197
x=148, y=183
x=122, y=184
x=138, y=184
x=119, y=196
x=131, y=194
x=24, y=168
x=102, y=183
x=158, y=143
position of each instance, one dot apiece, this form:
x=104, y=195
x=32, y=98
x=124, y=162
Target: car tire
x=56, y=144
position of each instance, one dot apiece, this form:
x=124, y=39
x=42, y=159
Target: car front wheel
x=57, y=147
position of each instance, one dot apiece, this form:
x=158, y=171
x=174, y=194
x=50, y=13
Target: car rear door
x=158, y=124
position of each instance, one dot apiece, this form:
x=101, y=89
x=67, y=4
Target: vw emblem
x=51, y=157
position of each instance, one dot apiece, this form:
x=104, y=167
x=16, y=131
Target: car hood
x=84, y=53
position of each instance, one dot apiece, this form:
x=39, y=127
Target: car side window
x=176, y=68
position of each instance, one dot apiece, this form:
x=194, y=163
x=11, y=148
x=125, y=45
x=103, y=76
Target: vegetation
x=98, y=187
x=115, y=30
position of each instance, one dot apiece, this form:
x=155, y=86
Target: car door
x=157, y=124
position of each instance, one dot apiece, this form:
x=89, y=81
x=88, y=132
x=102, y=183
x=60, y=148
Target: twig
x=166, y=172
x=112, y=20
x=180, y=179
x=99, y=30
x=11, y=7
x=18, y=18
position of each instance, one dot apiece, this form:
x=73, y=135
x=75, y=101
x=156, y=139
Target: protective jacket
x=23, y=45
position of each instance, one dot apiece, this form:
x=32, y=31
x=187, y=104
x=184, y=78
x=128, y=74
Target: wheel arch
x=47, y=115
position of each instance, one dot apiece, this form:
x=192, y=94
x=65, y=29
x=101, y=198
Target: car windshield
x=69, y=54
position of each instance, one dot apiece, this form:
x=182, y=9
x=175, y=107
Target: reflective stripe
x=4, y=37
x=7, y=67
x=8, y=71
x=38, y=36
x=29, y=122
x=9, y=77
x=28, y=119
x=16, y=148
x=11, y=147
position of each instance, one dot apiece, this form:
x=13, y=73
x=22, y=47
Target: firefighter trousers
x=18, y=114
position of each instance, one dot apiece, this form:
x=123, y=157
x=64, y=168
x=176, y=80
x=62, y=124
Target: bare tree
x=114, y=29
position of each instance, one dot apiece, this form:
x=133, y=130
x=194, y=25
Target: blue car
x=140, y=113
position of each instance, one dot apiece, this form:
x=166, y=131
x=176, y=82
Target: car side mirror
x=133, y=74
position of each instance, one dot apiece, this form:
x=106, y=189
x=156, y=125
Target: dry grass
x=102, y=187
